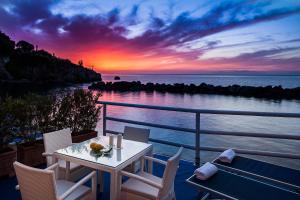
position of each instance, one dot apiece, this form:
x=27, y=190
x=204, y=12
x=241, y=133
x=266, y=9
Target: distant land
x=23, y=64
x=267, y=92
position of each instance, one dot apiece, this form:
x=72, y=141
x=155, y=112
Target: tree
x=25, y=46
x=44, y=53
x=80, y=62
x=78, y=110
x=7, y=46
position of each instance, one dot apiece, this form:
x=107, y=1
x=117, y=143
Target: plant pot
x=31, y=153
x=83, y=135
x=7, y=159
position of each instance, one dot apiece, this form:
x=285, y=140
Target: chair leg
x=94, y=188
x=100, y=180
x=205, y=196
x=174, y=196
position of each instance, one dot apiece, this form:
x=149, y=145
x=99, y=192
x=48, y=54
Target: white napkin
x=227, y=156
x=206, y=171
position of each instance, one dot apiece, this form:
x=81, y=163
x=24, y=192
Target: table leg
x=115, y=185
x=142, y=164
x=56, y=171
x=67, y=170
x=150, y=163
x=94, y=188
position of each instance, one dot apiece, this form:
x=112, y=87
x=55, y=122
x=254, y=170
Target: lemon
x=96, y=147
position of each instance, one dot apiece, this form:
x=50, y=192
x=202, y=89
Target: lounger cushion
x=240, y=187
x=265, y=169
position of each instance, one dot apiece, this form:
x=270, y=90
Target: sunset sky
x=160, y=36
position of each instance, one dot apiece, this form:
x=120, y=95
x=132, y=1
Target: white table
x=113, y=163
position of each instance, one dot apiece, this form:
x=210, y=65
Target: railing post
x=197, y=145
x=104, y=119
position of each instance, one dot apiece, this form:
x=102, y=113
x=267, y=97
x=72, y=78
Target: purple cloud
x=159, y=36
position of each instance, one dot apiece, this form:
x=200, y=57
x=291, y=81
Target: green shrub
x=43, y=108
x=22, y=118
x=6, y=125
x=31, y=115
x=79, y=111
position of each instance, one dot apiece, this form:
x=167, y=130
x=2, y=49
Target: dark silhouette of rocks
x=116, y=78
x=267, y=92
x=21, y=62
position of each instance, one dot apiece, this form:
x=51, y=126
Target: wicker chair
x=145, y=186
x=37, y=184
x=136, y=134
x=58, y=140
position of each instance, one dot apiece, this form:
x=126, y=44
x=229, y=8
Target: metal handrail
x=197, y=131
x=208, y=132
x=203, y=111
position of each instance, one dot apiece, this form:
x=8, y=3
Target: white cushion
x=139, y=188
x=63, y=185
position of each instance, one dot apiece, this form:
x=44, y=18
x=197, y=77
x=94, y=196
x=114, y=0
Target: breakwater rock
x=267, y=92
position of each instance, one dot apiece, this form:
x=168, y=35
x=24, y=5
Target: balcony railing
x=197, y=131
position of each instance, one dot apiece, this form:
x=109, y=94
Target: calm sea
x=212, y=122
x=287, y=81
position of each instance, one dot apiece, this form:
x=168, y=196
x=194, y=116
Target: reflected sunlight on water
x=210, y=122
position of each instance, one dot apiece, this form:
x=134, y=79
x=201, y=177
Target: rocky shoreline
x=267, y=92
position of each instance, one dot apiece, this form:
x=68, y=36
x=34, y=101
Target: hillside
x=21, y=62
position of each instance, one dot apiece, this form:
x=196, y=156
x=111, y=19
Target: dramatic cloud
x=136, y=39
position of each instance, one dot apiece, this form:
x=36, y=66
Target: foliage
x=62, y=110
x=43, y=108
x=31, y=115
x=23, y=62
x=79, y=111
x=22, y=118
x=6, y=125
x=26, y=117
x=25, y=46
x=80, y=62
x=7, y=46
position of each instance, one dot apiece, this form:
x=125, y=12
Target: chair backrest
x=136, y=134
x=35, y=184
x=56, y=140
x=169, y=174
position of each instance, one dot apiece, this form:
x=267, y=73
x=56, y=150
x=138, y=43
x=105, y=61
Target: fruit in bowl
x=96, y=147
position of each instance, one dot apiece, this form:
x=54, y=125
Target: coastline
x=266, y=92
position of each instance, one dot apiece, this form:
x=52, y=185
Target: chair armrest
x=46, y=154
x=155, y=160
x=52, y=167
x=79, y=183
x=17, y=187
x=142, y=179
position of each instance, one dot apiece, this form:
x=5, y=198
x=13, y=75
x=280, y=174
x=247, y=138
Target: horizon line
x=229, y=74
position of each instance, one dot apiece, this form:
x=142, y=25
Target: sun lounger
x=266, y=172
x=228, y=185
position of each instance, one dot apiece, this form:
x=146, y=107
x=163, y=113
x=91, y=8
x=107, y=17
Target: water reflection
x=210, y=122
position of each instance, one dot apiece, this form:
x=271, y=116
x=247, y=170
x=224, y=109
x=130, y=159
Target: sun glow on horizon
x=162, y=37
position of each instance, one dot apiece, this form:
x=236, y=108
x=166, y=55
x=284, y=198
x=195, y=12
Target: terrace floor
x=182, y=188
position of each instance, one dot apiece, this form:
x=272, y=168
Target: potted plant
x=80, y=112
x=7, y=154
x=32, y=117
